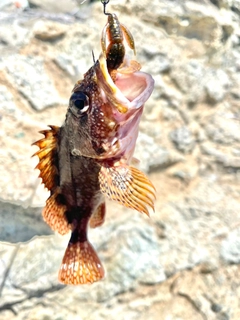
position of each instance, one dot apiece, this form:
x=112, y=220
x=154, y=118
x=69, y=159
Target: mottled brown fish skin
x=88, y=131
x=73, y=179
x=80, y=192
x=78, y=180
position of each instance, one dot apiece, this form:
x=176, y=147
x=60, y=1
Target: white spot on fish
x=75, y=152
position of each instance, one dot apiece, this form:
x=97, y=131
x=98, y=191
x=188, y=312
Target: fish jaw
x=125, y=98
x=135, y=87
x=129, y=90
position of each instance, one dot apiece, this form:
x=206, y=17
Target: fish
x=90, y=158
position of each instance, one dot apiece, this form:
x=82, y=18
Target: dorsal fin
x=48, y=157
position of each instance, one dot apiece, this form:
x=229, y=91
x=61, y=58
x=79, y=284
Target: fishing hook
x=105, y=2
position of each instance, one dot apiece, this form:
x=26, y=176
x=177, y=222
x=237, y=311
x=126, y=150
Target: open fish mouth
x=129, y=91
x=124, y=99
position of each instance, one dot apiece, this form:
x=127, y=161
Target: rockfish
x=89, y=157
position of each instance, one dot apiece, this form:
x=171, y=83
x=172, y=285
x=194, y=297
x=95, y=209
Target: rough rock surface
x=183, y=263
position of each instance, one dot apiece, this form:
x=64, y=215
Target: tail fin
x=80, y=264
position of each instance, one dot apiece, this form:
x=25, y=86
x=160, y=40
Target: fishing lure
x=115, y=33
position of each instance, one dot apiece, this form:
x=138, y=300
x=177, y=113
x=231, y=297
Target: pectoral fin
x=128, y=186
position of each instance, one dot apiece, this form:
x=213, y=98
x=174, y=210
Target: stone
x=13, y=36
x=24, y=224
x=183, y=139
x=9, y=5
x=151, y=156
x=233, y=5
x=61, y=6
x=189, y=78
x=159, y=64
x=7, y=102
x=71, y=66
x=140, y=252
x=49, y=31
x=223, y=129
x=31, y=80
x=183, y=262
x=203, y=214
x=217, y=85
x=5, y=3
x=230, y=248
x=223, y=157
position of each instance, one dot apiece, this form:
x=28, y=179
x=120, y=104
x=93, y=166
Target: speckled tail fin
x=54, y=214
x=98, y=217
x=80, y=264
x=128, y=186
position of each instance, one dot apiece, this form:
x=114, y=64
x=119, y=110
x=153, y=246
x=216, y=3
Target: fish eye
x=80, y=101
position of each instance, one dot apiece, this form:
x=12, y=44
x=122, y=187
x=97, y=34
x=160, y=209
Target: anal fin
x=80, y=264
x=54, y=215
x=128, y=186
x=98, y=217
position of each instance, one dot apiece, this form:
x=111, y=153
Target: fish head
x=104, y=114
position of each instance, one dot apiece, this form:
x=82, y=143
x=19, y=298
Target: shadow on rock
x=18, y=224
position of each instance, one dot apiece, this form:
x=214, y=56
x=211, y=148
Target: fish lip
x=129, y=91
x=124, y=100
x=137, y=95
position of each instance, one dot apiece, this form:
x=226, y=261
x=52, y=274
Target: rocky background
x=183, y=262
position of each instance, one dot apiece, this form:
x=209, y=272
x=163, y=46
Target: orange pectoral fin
x=80, y=264
x=47, y=155
x=98, y=217
x=54, y=215
x=128, y=186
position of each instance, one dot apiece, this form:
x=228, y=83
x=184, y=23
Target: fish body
x=89, y=157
